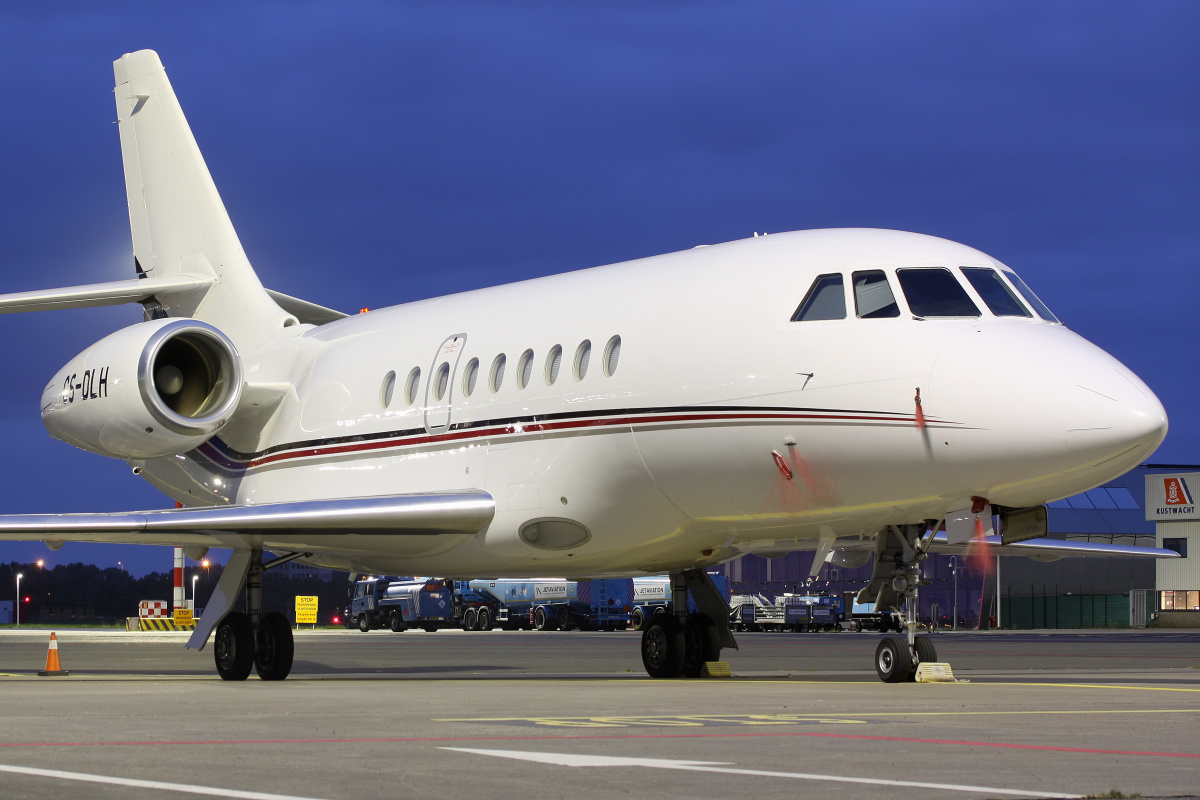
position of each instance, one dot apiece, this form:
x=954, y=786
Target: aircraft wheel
x=639, y=619
x=233, y=647
x=364, y=621
x=662, y=647
x=893, y=662
x=926, y=652
x=701, y=643
x=396, y=622
x=483, y=620
x=468, y=622
x=274, y=647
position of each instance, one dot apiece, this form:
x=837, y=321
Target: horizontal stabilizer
x=99, y=294
x=271, y=523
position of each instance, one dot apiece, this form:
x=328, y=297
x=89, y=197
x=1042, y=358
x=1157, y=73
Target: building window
x=1177, y=545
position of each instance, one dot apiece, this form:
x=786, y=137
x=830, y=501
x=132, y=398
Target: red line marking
x=540, y=427
x=597, y=737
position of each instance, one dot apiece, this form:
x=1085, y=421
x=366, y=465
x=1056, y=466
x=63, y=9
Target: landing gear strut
x=679, y=643
x=251, y=639
x=899, y=551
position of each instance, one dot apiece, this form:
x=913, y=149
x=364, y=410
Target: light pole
x=195, y=578
x=19, y=576
x=954, y=572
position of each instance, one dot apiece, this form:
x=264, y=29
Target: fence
x=1067, y=611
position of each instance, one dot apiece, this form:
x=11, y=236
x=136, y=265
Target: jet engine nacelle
x=154, y=389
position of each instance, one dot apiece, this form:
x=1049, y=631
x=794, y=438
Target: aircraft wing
x=1045, y=549
x=270, y=524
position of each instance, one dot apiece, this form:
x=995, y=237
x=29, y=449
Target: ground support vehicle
x=544, y=604
x=653, y=596
x=401, y=603
x=786, y=613
x=863, y=616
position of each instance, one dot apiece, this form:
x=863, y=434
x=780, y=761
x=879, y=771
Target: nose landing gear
x=899, y=551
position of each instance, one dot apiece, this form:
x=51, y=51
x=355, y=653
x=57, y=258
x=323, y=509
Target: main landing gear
x=678, y=644
x=899, y=551
x=254, y=640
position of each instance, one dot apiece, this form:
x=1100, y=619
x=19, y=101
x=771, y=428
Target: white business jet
x=860, y=393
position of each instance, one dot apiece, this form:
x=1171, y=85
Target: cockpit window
x=1000, y=299
x=1030, y=297
x=825, y=300
x=935, y=293
x=873, y=297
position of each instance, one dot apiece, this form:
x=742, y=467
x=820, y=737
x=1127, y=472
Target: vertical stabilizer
x=179, y=224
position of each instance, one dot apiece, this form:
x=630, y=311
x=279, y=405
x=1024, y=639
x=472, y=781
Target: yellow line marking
x=1104, y=686
x=695, y=720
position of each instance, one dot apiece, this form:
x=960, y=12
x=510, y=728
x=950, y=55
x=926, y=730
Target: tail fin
x=180, y=226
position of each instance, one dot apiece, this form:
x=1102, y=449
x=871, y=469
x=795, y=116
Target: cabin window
x=935, y=293
x=826, y=299
x=524, y=369
x=411, y=385
x=612, y=354
x=1030, y=297
x=470, y=377
x=440, y=380
x=386, y=390
x=873, y=298
x=1000, y=299
x=553, y=364
x=583, y=357
x=497, y=376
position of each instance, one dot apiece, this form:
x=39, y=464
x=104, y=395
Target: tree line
x=85, y=592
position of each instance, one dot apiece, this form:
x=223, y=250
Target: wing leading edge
x=407, y=514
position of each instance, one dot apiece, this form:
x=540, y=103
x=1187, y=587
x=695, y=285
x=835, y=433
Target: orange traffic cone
x=52, y=665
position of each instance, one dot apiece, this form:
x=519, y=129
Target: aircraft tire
x=233, y=647
x=926, y=652
x=662, y=647
x=701, y=643
x=274, y=648
x=893, y=663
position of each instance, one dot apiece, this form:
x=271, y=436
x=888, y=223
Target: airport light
x=18, y=609
x=195, y=578
x=41, y=562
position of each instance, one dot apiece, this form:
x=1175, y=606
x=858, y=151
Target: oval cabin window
x=612, y=354
x=411, y=385
x=386, y=390
x=583, y=357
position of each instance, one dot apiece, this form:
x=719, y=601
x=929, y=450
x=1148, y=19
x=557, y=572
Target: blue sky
x=376, y=153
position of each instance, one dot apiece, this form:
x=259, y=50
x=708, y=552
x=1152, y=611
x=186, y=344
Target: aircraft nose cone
x=1047, y=408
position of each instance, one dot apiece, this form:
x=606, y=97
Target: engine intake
x=153, y=389
x=191, y=377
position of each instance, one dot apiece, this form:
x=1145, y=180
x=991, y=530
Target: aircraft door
x=439, y=389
